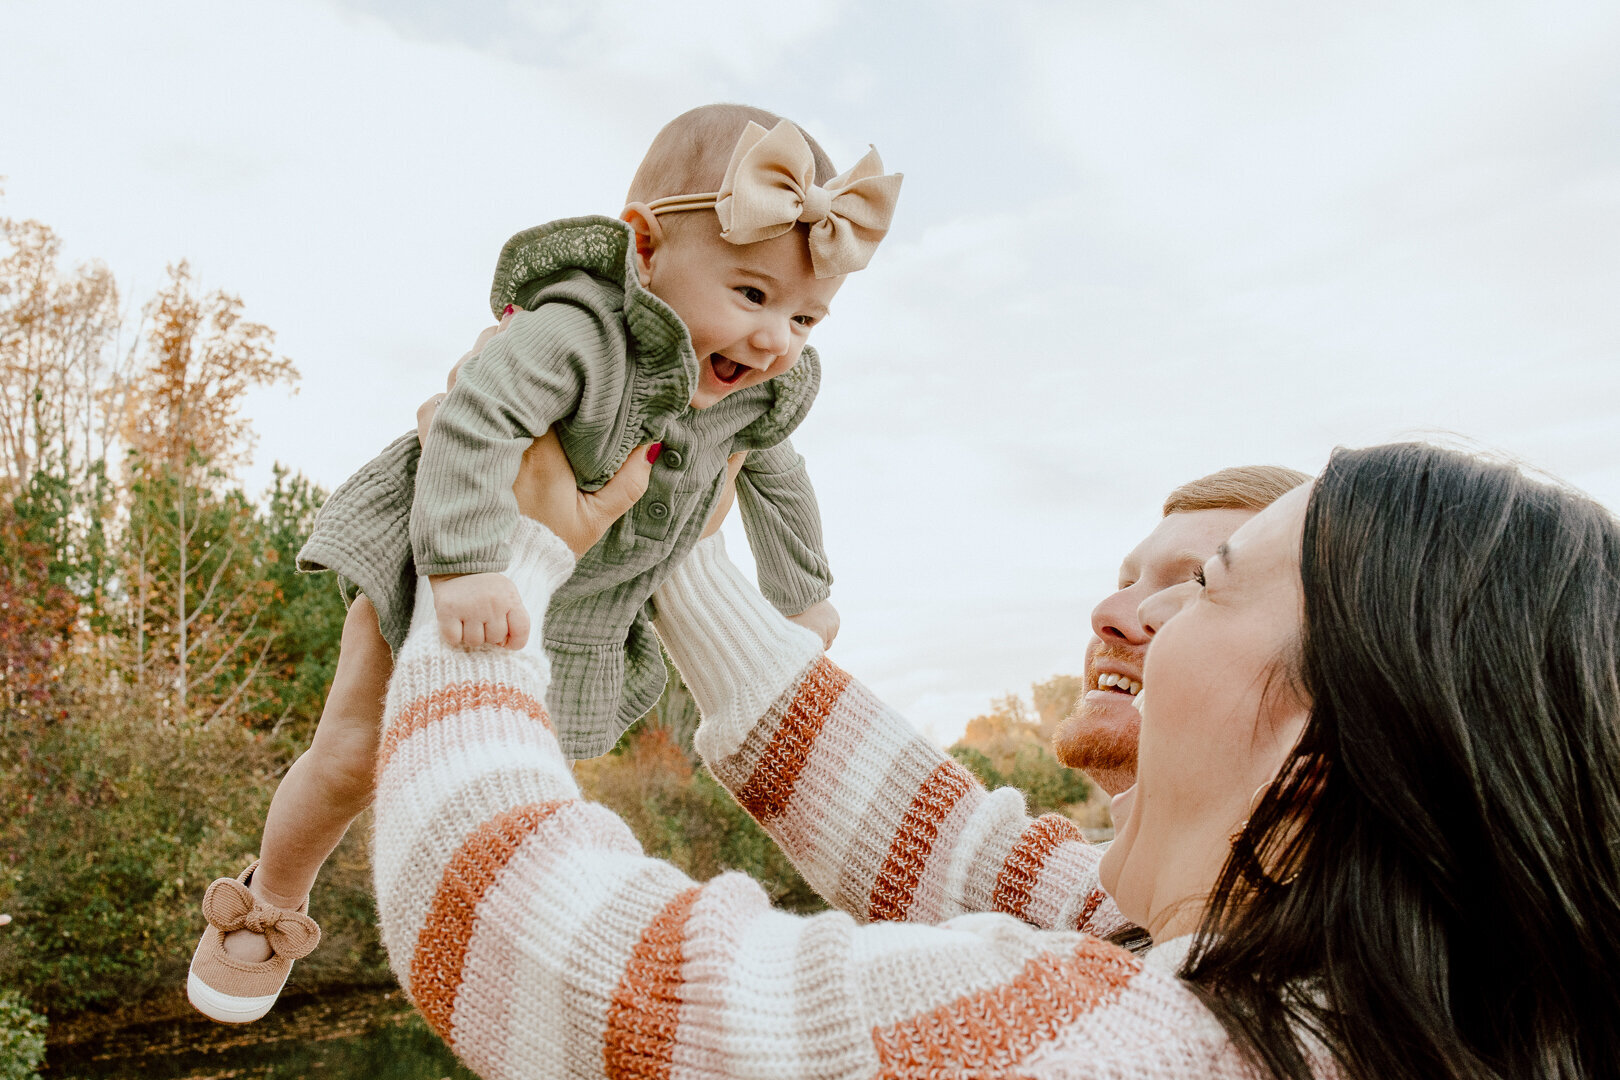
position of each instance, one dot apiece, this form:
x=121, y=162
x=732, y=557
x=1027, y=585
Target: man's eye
x=751, y=294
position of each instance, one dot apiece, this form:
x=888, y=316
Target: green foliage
x=978, y=763
x=304, y=618
x=126, y=820
x=22, y=1038
x=1007, y=747
x=1048, y=787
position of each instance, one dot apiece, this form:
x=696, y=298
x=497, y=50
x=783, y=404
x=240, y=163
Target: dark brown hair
x=1434, y=888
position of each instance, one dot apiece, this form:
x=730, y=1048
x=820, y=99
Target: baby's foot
x=250, y=946
x=246, y=946
x=245, y=955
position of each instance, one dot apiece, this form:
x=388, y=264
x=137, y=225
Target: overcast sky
x=1137, y=242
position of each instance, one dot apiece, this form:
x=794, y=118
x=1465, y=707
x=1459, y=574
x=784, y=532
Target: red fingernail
x=653, y=451
x=509, y=310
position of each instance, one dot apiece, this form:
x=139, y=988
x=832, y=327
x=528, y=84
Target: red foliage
x=37, y=616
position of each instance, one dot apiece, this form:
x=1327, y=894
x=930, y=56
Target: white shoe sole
x=227, y=1008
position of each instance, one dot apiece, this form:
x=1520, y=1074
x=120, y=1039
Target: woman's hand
x=728, y=496
x=545, y=488
x=546, y=492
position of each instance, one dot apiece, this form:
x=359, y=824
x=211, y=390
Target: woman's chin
x=1119, y=808
x=1112, y=866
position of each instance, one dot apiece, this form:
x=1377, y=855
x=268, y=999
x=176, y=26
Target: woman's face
x=1219, y=717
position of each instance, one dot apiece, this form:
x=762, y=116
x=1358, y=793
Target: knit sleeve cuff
x=540, y=563
x=735, y=651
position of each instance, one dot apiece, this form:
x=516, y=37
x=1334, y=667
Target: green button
x=658, y=510
x=672, y=458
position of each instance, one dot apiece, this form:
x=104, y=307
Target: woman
x=1373, y=832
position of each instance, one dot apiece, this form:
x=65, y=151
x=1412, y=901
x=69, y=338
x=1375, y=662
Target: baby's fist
x=822, y=618
x=480, y=609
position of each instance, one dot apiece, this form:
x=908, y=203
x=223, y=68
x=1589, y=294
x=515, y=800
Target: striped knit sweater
x=539, y=941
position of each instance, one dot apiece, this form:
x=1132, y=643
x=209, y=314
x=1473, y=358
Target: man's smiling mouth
x=1122, y=684
x=726, y=370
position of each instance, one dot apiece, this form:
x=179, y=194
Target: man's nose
x=1115, y=619
x=1157, y=609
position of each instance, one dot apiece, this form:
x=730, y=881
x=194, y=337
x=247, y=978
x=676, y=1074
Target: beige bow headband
x=770, y=187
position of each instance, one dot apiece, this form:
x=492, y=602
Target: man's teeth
x=1123, y=683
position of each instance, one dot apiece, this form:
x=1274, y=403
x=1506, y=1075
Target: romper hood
x=660, y=347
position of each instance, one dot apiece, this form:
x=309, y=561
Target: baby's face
x=749, y=308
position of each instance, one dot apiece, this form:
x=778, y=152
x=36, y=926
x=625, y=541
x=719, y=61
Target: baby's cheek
x=784, y=364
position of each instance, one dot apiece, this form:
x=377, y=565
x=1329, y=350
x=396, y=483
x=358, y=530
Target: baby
x=682, y=325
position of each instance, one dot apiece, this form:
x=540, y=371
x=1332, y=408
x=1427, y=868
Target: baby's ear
x=649, y=237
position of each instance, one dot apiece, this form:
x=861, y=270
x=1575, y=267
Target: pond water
x=369, y=1034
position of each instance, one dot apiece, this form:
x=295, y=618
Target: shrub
x=22, y=1038
x=129, y=816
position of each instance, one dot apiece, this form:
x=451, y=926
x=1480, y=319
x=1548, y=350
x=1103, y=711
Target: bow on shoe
x=229, y=905
x=770, y=186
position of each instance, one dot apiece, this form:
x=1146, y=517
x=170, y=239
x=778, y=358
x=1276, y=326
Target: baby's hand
x=822, y=618
x=480, y=609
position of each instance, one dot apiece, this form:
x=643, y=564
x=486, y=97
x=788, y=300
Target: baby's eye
x=751, y=294
x=805, y=321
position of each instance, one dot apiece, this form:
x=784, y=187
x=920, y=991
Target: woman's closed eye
x=1198, y=576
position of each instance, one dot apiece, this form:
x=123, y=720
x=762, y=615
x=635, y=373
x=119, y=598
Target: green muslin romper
x=611, y=366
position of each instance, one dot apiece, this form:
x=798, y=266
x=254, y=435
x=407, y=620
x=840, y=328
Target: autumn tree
x=194, y=603
x=58, y=346
x=1011, y=747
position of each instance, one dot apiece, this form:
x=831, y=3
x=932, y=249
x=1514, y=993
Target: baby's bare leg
x=330, y=783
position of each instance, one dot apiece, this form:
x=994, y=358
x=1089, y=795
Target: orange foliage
x=203, y=358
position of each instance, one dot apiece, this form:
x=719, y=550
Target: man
x=1099, y=735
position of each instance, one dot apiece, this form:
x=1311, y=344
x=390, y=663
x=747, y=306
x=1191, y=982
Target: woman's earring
x=1244, y=850
x=1242, y=826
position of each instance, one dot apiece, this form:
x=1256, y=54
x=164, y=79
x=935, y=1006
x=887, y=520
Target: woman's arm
x=878, y=819
x=539, y=941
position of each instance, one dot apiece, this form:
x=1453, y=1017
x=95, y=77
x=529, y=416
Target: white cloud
x=1138, y=242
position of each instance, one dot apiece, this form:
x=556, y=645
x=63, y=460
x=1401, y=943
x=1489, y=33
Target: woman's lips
x=726, y=370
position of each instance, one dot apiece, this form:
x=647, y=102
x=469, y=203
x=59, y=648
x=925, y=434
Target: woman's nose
x=1159, y=608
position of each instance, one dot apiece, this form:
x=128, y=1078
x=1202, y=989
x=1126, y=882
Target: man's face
x=1099, y=735
x=748, y=307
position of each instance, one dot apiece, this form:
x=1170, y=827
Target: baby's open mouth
x=727, y=371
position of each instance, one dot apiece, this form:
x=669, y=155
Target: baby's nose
x=771, y=336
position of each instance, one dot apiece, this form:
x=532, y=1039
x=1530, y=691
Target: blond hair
x=690, y=153
x=1242, y=487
